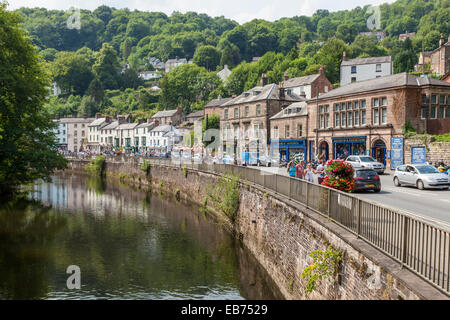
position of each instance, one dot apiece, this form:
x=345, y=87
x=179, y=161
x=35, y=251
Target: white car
x=421, y=176
x=365, y=162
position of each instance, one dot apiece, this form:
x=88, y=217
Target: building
x=365, y=69
x=215, y=106
x=244, y=121
x=157, y=64
x=94, y=132
x=446, y=78
x=126, y=137
x=108, y=136
x=173, y=63
x=424, y=62
x=61, y=134
x=379, y=34
x=224, y=73
x=404, y=36
x=174, y=117
x=440, y=58
x=162, y=138
x=289, y=132
x=149, y=75
x=142, y=135
x=195, y=116
x=309, y=86
x=363, y=117
x=77, y=133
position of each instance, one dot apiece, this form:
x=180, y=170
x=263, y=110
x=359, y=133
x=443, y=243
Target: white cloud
x=239, y=10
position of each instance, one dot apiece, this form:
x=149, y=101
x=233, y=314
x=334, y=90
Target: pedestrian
x=291, y=169
x=321, y=171
x=300, y=170
x=309, y=174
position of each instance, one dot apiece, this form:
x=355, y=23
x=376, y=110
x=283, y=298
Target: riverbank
x=281, y=234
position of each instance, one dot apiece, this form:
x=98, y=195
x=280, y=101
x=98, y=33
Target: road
x=432, y=205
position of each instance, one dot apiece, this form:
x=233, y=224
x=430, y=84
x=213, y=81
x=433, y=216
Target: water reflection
x=128, y=244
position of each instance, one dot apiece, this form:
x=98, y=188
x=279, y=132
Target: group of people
x=305, y=171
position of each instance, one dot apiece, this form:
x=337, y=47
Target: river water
x=128, y=244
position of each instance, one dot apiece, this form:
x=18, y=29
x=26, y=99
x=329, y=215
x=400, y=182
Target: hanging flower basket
x=339, y=175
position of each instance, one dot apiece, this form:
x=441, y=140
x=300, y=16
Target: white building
x=61, y=134
x=163, y=137
x=224, y=73
x=365, y=69
x=94, y=132
x=108, y=135
x=77, y=133
x=173, y=63
x=125, y=134
x=142, y=135
x=149, y=75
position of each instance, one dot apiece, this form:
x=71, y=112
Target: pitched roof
x=387, y=82
x=370, y=60
x=146, y=124
x=217, y=102
x=77, y=120
x=163, y=128
x=301, y=81
x=97, y=122
x=127, y=126
x=294, y=110
x=197, y=114
x=111, y=126
x=165, y=113
x=268, y=92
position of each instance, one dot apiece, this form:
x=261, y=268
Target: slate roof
x=301, y=81
x=127, y=126
x=294, y=110
x=165, y=113
x=77, y=120
x=217, y=102
x=371, y=60
x=164, y=128
x=387, y=82
x=146, y=124
x=111, y=126
x=97, y=122
x=197, y=114
x=268, y=92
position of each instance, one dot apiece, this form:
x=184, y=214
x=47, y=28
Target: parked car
x=267, y=161
x=421, y=176
x=365, y=162
x=366, y=180
x=227, y=159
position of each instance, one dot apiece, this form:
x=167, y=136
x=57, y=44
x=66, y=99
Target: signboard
x=396, y=152
x=418, y=155
x=388, y=154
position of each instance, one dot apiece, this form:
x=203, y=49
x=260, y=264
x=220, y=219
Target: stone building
x=440, y=58
x=77, y=129
x=173, y=117
x=94, y=132
x=215, y=106
x=308, y=86
x=365, y=69
x=363, y=117
x=244, y=120
x=288, y=130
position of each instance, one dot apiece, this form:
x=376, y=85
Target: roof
x=301, y=81
x=164, y=128
x=183, y=60
x=268, y=92
x=387, y=82
x=165, y=113
x=111, y=126
x=197, y=114
x=371, y=60
x=97, y=122
x=76, y=120
x=294, y=110
x=217, y=102
x=146, y=124
x=224, y=73
x=127, y=126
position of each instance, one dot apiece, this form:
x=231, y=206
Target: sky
x=239, y=10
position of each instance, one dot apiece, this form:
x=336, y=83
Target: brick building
x=215, y=106
x=243, y=118
x=440, y=58
x=308, y=86
x=77, y=133
x=362, y=117
x=173, y=117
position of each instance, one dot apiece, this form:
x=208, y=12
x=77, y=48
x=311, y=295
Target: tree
x=88, y=107
x=96, y=91
x=27, y=143
x=107, y=67
x=208, y=57
x=405, y=60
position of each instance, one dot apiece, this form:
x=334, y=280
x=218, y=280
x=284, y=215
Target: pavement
x=430, y=205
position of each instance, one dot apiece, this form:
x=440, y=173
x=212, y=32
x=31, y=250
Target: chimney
x=344, y=56
x=149, y=120
x=121, y=119
x=263, y=80
x=282, y=91
x=286, y=76
x=130, y=118
x=303, y=94
x=156, y=123
x=441, y=41
x=84, y=116
x=322, y=70
x=107, y=119
x=98, y=115
x=233, y=96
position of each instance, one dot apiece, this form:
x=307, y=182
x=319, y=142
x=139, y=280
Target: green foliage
x=207, y=57
x=27, y=142
x=442, y=138
x=225, y=195
x=145, y=167
x=96, y=166
x=408, y=129
x=185, y=171
x=325, y=265
x=107, y=67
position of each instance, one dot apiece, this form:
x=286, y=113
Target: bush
x=225, y=195
x=339, y=176
x=96, y=166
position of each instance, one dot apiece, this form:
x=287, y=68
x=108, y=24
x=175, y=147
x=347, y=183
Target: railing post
x=329, y=202
x=307, y=194
x=359, y=217
x=404, y=239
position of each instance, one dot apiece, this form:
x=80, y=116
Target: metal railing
x=417, y=245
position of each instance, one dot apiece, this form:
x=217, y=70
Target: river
x=128, y=244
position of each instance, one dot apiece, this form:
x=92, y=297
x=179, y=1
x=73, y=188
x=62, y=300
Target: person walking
x=309, y=173
x=291, y=169
x=321, y=171
x=300, y=170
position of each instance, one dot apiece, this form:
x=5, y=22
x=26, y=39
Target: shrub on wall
x=339, y=176
x=96, y=166
x=225, y=195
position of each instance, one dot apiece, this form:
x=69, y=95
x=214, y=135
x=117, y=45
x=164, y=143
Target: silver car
x=365, y=162
x=421, y=176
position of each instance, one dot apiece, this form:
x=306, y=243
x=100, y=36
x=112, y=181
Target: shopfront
x=346, y=146
x=290, y=149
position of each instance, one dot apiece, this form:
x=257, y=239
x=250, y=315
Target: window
x=441, y=99
x=353, y=79
x=325, y=89
x=363, y=103
x=275, y=132
x=378, y=68
x=356, y=117
x=447, y=114
x=258, y=110
x=299, y=130
x=336, y=107
x=376, y=102
x=337, y=120
x=236, y=113
x=433, y=99
x=363, y=117
x=324, y=117
x=424, y=113
x=75, y=125
x=225, y=114
x=441, y=112
x=433, y=112
x=384, y=116
x=376, y=116
x=322, y=121
x=356, y=104
x=350, y=119
x=424, y=99
x=384, y=101
x=246, y=111
x=327, y=120
x=353, y=69
x=343, y=120
x=349, y=105
x=286, y=131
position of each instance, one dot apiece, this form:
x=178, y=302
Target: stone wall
x=281, y=233
x=437, y=151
